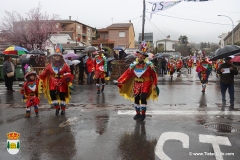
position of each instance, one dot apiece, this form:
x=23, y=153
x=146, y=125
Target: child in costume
x=179, y=65
x=204, y=68
x=189, y=64
x=30, y=93
x=171, y=67
x=100, y=68
x=139, y=83
x=56, y=83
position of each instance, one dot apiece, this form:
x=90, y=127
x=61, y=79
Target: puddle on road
x=70, y=121
x=53, y=131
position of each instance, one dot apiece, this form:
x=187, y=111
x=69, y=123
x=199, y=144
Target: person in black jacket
x=81, y=66
x=227, y=71
x=164, y=66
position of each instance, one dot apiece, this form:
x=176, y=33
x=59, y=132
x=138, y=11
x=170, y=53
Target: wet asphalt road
x=101, y=126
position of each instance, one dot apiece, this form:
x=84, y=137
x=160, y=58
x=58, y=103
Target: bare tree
x=30, y=31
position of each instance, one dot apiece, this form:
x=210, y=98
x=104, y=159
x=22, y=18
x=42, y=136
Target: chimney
x=70, y=18
x=130, y=21
x=168, y=37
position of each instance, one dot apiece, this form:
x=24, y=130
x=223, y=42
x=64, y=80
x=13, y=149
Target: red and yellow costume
x=204, y=68
x=171, y=67
x=179, y=64
x=30, y=93
x=136, y=83
x=218, y=63
x=56, y=83
x=100, y=68
x=190, y=64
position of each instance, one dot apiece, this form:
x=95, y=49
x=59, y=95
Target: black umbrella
x=110, y=59
x=90, y=49
x=131, y=56
x=24, y=59
x=82, y=55
x=225, y=52
x=36, y=51
x=166, y=55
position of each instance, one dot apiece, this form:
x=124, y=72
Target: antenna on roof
x=112, y=20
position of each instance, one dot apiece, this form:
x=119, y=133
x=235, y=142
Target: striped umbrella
x=15, y=50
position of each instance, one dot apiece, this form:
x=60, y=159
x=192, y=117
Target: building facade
x=64, y=40
x=118, y=34
x=236, y=36
x=78, y=32
x=167, y=44
x=148, y=37
x=222, y=36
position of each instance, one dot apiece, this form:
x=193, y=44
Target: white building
x=222, y=36
x=60, y=39
x=167, y=44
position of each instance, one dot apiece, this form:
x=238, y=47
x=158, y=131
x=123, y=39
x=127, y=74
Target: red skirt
x=99, y=74
x=32, y=101
x=140, y=87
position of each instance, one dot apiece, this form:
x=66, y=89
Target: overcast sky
x=101, y=13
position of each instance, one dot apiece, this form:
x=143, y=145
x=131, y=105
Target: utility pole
x=143, y=19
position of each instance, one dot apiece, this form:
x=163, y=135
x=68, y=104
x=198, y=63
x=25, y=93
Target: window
x=78, y=27
x=121, y=34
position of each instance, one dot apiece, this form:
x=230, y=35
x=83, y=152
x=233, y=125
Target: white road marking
x=167, y=112
x=215, y=141
x=184, y=138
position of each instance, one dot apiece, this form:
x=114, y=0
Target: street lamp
x=232, y=25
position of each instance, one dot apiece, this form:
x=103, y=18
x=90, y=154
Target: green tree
x=183, y=40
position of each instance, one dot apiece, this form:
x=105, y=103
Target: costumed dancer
x=30, y=93
x=171, y=67
x=139, y=83
x=179, y=65
x=190, y=64
x=100, y=68
x=204, y=69
x=56, y=83
x=218, y=63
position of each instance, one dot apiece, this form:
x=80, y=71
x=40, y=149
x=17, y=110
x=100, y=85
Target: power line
x=212, y=10
x=130, y=19
x=156, y=27
x=193, y=20
x=194, y=16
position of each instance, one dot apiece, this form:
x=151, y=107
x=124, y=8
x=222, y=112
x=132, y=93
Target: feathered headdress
x=29, y=71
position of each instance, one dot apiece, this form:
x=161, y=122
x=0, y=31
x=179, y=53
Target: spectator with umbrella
x=8, y=71
x=227, y=71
